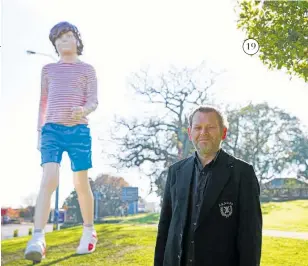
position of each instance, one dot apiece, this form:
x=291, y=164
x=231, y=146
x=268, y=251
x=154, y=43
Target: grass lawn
x=128, y=245
x=145, y=218
x=286, y=216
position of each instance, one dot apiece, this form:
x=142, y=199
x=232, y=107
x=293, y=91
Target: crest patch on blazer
x=226, y=209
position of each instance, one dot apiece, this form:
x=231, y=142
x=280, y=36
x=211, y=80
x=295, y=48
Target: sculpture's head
x=66, y=39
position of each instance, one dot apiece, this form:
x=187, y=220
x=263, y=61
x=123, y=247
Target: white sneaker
x=87, y=242
x=36, y=249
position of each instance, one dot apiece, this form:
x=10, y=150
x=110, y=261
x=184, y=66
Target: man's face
x=206, y=133
x=66, y=43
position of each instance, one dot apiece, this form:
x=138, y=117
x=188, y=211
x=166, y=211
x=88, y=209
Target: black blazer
x=229, y=229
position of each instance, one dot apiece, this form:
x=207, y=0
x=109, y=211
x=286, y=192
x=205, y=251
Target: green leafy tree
x=110, y=188
x=280, y=27
x=300, y=155
x=268, y=138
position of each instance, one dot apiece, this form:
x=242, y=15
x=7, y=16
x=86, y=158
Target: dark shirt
x=201, y=175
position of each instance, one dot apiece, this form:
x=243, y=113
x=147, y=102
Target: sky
x=120, y=38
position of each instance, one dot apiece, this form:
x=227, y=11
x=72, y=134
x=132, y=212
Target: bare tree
x=267, y=137
x=30, y=200
x=157, y=141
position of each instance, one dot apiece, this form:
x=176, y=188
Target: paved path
x=7, y=231
x=276, y=233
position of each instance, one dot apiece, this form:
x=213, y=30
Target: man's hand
x=77, y=112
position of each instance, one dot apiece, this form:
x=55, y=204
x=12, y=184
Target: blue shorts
x=75, y=140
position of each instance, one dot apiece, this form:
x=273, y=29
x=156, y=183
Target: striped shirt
x=63, y=86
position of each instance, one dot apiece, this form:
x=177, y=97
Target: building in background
x=288, y=182
x=283, y=189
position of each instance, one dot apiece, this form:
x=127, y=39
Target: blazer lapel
x=216, y=183
x=183, y=181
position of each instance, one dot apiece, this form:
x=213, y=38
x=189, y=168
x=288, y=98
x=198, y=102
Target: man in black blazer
x=211, y=213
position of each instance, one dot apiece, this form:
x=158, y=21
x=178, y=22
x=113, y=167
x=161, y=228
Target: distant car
x=8, y=220
x=141, y=210
x=14, y=221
